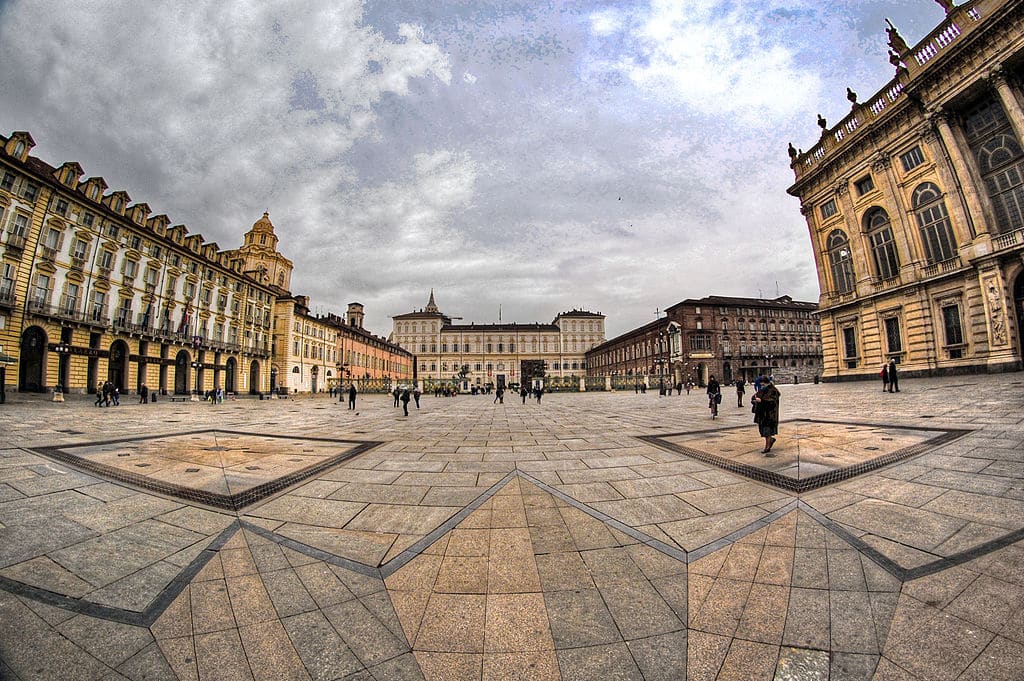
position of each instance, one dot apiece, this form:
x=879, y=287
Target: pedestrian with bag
x=894, y=379
x=714, y=396
x=766, y=414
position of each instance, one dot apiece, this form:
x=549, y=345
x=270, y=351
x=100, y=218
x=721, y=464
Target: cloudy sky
x=612, y=156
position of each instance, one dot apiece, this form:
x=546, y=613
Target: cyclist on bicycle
x=714, y=396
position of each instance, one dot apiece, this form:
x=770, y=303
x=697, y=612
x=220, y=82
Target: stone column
x=957, y=206
x=1012, y=107
x=904, y=224
x=964, y=172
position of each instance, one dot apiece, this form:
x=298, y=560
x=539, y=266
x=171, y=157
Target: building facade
x=93, y=289
x=719, y=336
x=915, y=205
x=497, y=354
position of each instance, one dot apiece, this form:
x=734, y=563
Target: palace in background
x=719, y=336
x=94, y=288
x=915, y=205
x=498, y=354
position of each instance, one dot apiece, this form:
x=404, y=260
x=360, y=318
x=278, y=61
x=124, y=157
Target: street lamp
x=768, y=364
x=196, y=364
x=63, y=350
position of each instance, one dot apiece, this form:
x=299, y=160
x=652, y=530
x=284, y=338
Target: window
x=828, y=209
x=71, y=293
x=20, y=225
x=1000, y=160
x=88, y=219
x=8, y=273
x=700, y=341
x=98, y=308
x=933, y=222
x=892, y=335
x=864, y=185
x=7, y=182
x=124, y=311
x=79, y=249
x=106, y=259
x=61, y=208
x=883, y=247
x=30, y=192
x=52, y=240
x=953, y=333
x=131, y=268
x=850, y=346
x=41, y=295
x=840, y=261
x=912, y=159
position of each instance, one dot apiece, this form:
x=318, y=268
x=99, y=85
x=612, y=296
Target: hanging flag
x=186, y=318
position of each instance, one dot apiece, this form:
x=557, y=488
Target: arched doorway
x=315, y=374
x=230, y=369
x=181, y=370
x=254, y=377
x=31, y=364
x=117, y=365
x=727, y=372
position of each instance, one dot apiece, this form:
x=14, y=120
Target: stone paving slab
x=517, y=541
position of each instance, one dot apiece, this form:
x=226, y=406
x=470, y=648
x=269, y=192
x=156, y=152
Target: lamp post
x=196, y=364
x=62, y=349
x=768, y=364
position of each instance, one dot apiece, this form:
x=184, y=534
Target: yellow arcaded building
x=915, y=205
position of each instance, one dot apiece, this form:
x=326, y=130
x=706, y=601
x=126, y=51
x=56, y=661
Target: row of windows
x=952, y=336
x=934, y=229
x=500, y=366
x=909, y=160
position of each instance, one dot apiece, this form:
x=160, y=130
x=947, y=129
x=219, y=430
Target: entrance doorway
x=181, y=369
x=254, y=377
x=31, y=364
x=117, y=365
x=230, y=369
x=1018, y=312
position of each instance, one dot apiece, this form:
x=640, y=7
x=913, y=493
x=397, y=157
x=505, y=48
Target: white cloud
x=606, y=22
x=716, y=58
x=469, y=77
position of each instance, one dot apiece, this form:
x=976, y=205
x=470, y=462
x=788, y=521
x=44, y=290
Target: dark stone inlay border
x=799, y=485
x=146, y=617
x=228, y=502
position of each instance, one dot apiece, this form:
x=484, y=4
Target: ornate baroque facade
x=716, y=335
x=93, y=288
x=915, y=205
x=497, y=354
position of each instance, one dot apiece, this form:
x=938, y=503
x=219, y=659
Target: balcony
x=66, y=311
x=951, y=265
x=7, y=296
x=78, y=264
x=885, y=284
x=48, y=254
x=15, y=242
x=1008, y=240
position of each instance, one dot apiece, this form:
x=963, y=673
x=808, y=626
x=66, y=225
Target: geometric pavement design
x=524, y=581
x=248, y=467
x=828, y=457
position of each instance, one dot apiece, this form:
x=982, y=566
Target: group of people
x=764, y=405
x=403, y=395
x=890, y=377
x=525, y=391
x=108, y=394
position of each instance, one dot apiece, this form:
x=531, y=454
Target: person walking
x=416, y=396
x=143, y=394
x=884, y=373
x=766, y=414
x=714, y=396
x=499, y=395
x=99, y=396
x=397, y=393
x=894, y=379
x=540, y=393
x=523, y=392
x=405, y=401
x=739, y=392
x=115, y=395
x=351, y=396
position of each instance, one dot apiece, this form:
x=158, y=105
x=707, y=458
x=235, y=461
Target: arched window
x=1000, y=160
x=883, y=247
x=933, y=221
x=841, y=261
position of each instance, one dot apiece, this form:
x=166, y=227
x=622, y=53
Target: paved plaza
x=591, y=536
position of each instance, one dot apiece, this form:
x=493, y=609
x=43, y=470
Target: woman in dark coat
x=766, y=414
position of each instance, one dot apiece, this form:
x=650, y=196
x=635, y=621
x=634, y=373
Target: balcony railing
x=67, y=311
x=884, y=284
x=15, y=241
x=7, y=296
x=943, y=267
x=48, y=254
x=1004, y=241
